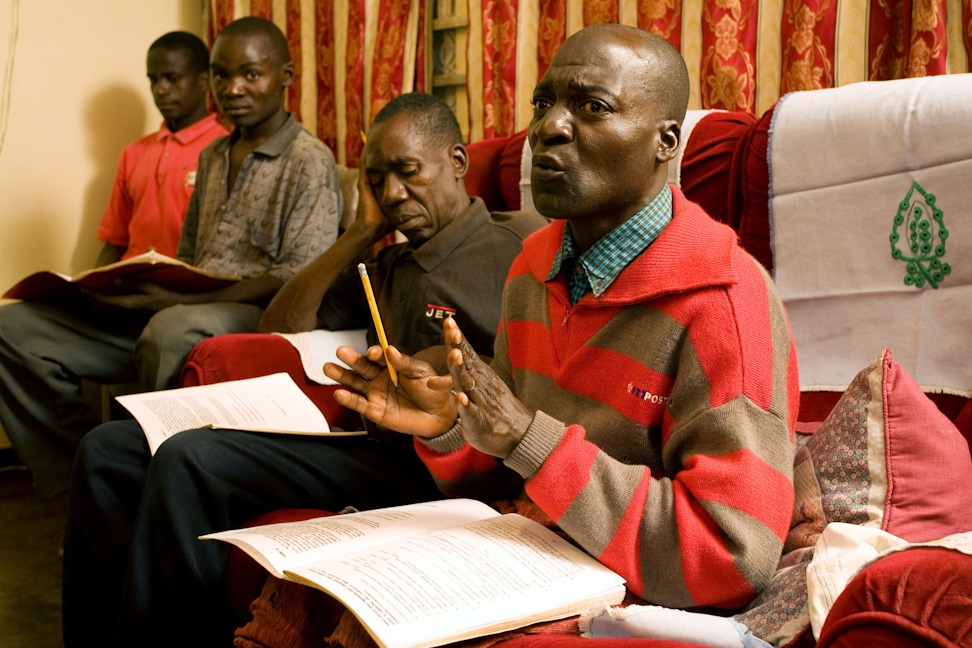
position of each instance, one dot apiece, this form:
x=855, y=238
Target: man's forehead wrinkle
x=579, y=80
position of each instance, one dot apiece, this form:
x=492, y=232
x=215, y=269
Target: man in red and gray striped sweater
x=644, y=389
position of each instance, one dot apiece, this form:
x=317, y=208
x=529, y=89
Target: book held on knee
x=428, y=574
x=271, y=403
x=150, y=267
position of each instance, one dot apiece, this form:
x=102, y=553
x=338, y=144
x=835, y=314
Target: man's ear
x=288, y=73
x=460, y=160
x=670, y=133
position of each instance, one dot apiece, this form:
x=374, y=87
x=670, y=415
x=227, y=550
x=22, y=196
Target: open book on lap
x=271, y=403
x=150, y=267
x=434, y=573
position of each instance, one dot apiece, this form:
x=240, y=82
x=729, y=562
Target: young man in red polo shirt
x=45, y=348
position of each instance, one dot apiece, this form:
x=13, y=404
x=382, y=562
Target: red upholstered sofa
x=918, y=597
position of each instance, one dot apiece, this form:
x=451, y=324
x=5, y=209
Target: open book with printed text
x=434, y=573
x=271, y=403
x=150, y=267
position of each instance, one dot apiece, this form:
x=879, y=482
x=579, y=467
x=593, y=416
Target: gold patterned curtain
x=355, y=55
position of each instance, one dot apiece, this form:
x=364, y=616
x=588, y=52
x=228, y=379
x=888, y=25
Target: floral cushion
x=885, y=457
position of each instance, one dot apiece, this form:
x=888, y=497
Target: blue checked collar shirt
x=595, y=269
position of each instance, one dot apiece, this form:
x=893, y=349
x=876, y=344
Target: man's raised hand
x=411, y=408
x=493, y=419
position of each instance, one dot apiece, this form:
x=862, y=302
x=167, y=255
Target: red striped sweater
x=679, y=390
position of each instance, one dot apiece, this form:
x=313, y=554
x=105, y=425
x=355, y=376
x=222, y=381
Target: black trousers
x=135, y=572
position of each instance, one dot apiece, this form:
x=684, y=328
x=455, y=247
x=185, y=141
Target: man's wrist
x=449, y=441
x=540, y=439
x=367, y=231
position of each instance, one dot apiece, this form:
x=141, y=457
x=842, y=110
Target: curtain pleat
x=388, y=67
x=354, y=83
x=326, y=99
x=499, y=67
x=597, y=12
x=807, y=35
x=967, y=32
x=662, y=17
x=742, y=54
x=551, y=32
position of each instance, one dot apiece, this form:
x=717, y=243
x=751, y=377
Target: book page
x=488, y=576
x=271, y=403
x=288, y=544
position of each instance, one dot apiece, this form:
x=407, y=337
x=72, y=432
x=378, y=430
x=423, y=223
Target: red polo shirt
x=155, y=179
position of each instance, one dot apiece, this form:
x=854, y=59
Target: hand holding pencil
x=376, y=317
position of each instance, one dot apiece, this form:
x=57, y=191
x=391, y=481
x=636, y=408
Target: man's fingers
x=344, y=376
x=455, y=339
x=375, y=354
x=462, y=373
x=364, y=366
x=351, y=400
x=408, y=366
x=346, y=354
x=441, y=384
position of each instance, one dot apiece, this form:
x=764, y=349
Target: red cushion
x=963, y=421
x=916, y=597
x=754, y=230
x=482, y=178
x=887, y=457
x=250, y=355
x=509, y=169
x=710, y=164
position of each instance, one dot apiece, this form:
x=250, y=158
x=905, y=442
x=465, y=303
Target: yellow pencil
x=373, y=305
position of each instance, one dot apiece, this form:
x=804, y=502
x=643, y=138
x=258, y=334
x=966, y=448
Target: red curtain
x=735, y=62
x=907, y=39
x=499, y=67
x=808, y=39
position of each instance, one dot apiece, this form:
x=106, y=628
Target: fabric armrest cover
x=250, y=355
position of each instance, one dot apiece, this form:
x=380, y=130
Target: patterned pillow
x=779, y=615
x=885, y=457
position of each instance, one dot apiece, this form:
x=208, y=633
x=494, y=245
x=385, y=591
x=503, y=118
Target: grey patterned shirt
x=282, y=213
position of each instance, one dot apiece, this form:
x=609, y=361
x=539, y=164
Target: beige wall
x=73, y=93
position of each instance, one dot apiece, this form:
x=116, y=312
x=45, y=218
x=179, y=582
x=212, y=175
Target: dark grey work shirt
x=459, y=273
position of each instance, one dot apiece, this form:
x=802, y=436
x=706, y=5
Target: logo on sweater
x=439, y=312
x=646, y=395
x=922, y=223
x=191, y=179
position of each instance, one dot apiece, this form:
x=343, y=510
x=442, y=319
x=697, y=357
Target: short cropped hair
x=255, y=26
x=190, y=45
x=433, y=117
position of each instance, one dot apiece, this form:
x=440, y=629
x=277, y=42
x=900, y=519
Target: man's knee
x=18, y=320
x=176, y=324
x=188, y=451
x=169, y=323
x=107, y=445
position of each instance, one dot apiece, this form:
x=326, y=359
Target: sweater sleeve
x=459, y=470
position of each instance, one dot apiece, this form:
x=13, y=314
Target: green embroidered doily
x=923, y=223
